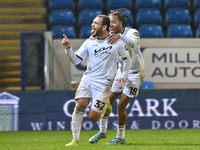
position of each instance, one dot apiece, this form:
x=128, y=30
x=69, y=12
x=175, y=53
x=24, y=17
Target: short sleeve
x=122, y=50
x=83, y=50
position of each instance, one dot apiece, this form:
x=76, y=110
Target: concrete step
x=10, y=73
x=4, y=35
x=9, y=50
x=23, y=11
x=10, y=43
x=17, y=88
x=22, y=3
x=10, y=58
x=10, y=66
x=6, y=82
x=19, y=19
x=23, y=27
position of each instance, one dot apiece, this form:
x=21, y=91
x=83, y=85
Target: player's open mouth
x=92, y=31
x=112, y=30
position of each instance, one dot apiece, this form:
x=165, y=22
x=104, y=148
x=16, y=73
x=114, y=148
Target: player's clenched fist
x=66, y=42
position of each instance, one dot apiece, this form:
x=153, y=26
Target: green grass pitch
x=175, y=139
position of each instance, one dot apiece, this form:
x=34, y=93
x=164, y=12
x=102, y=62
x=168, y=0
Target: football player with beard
x=96, y=82
x=135, y=77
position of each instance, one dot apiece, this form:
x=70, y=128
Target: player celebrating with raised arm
x=135, y=76
x=101, y=69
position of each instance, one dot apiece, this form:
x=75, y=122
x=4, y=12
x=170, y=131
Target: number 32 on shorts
x=99, y=104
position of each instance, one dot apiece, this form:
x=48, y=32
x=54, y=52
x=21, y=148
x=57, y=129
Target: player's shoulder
x=89, y=41
x=130, y=30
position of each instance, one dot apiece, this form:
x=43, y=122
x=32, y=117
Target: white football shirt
x=102, y=58
x=137, y=60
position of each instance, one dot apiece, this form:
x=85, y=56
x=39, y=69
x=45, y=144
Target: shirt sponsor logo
x=102, y=49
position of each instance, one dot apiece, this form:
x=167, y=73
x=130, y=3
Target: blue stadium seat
x=87, y=16
x=177, y=3
x=179, y=31
x=85, y=32
x=196, y=4
x=61, y=17
x=61, y=4
x=90, y=4
x=198, y=31
x=113, y=4
x=147, y=85
x=177, y=15
x=197, y=17
x=59, y=30
x=148, y=4
x=150, y=31
x=129, y=21
x=148, y=16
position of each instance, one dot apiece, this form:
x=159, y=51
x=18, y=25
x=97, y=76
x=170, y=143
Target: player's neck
x=122, y=30
x=103, y=35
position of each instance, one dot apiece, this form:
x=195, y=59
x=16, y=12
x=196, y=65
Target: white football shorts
x=132, y=85
x=97, y=92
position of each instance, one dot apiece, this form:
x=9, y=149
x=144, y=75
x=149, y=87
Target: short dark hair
x=105, y=21
x=120, y=14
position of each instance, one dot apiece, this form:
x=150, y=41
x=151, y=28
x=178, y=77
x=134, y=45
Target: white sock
x=103, y=124
x=77, y=121
x=121, y=131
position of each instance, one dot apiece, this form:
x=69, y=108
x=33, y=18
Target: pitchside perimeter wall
x=52, y=110
x=169, y=63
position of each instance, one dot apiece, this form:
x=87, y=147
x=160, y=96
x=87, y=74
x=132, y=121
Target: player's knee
x=93, y=115
x=121, y=106
x=93, y=118
x=80, y=107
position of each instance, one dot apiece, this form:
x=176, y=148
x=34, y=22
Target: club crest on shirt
x=136, y=34
x=102, y=49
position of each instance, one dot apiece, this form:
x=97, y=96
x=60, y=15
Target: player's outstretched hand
x=66, y=42
x=121, y=83
x=113, y=38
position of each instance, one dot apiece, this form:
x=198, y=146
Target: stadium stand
x=196, y=4
x=177, y=15
x=177, y=3
x=129, y=21
x=175, y=11
x=150, y=31
x=86, y=16
x=59, y=30
x=113, y=4
x=61, y=4
x=85, y=31
x=148, y=16
x=198, y=31
x=179, y=31
x=147, y=85
x=148, y=4
x=90, y=4
x=197, y=17
x=62, y=17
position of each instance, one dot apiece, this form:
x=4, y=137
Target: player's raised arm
x=66, y=42
x=69, y=51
